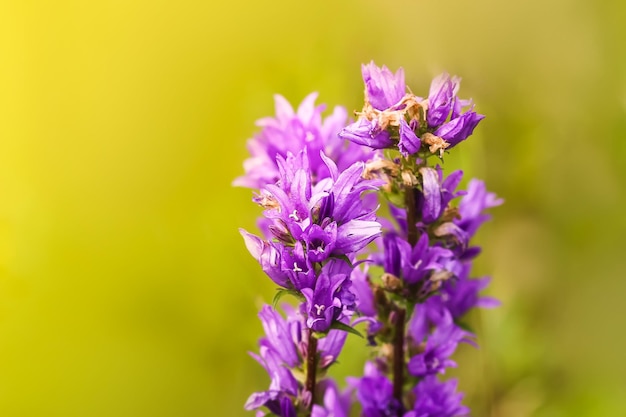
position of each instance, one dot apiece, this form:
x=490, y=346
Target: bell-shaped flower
x=297, y=266
x=322, y=303
x=336, y=403
x=413, y=264
x=374, y=391
x=441, y=97
x=293, y=130
x=473, y=205
x=438, y=348
x=320, y=242
x=437, y=399
x=409, y=143
x=268, y=254
x=459, y=129
x=384, y=89
x=437, y=192
x=367, y=133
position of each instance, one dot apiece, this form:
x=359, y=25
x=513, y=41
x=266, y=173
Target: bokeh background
x=125, y=288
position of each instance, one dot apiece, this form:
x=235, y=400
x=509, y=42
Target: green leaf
x=284, y=291
x=337, y=325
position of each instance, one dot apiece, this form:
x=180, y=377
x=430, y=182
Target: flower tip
x=253, y=243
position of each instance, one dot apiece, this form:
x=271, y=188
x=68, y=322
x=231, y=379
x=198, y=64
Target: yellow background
x=125, y=288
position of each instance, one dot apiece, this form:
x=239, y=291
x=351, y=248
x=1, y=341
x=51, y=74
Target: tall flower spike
x=319, y=217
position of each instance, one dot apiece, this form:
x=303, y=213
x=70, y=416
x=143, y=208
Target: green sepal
x=284, y=291
x=345, y=259
x=337, y=325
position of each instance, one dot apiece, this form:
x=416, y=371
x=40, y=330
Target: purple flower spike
x=384, y=89
x=367, y=133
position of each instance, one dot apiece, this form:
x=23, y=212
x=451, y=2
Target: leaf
x=337, y=325
x=284, y=291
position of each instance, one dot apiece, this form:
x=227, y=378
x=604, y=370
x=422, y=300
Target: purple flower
x=437, y=399
x=320, y=242
x=473, y=204
x=409, y=142
x=322, y=302
x=291, y=131
x=440, y=345
x=462, y=294
x=413, y=264
x=374, y=392
x=443, y=90
x=459, y=129
x=269, y=256
x=311, y=223
x=384, y=89
x=437, y=192
x=283, y=336
x=336, y=403
x=283, y=382
x=367, y=133
x=282, y=350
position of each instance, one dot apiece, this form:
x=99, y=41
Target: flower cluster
x=408, y=278
x=393, y=116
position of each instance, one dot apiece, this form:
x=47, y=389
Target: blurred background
x=125, y=288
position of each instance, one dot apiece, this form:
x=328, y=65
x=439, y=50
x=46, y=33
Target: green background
x=125, y=288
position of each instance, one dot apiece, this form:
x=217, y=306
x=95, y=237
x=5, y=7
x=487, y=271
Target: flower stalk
x=311, y=369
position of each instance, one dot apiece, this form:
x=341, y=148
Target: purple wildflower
x=283, y=349
x=473, y=204
x=323, y=303
x=291, y=131
x=414, y=264
x=441, y=97
x=336, y=403
x=367, y=133
x=384, y=89
x=437, y=192
x=374, y=392
x=437, y=399
x=409, y=143
x=459, y=129
x=312, y=222
x=437, y=349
